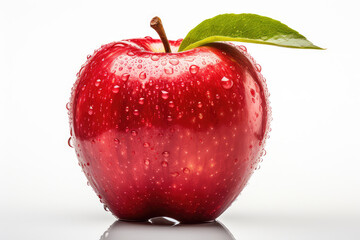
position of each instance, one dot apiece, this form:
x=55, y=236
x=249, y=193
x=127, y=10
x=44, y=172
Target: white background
x=308, y=186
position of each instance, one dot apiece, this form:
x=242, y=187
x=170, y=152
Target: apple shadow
x=162, y=228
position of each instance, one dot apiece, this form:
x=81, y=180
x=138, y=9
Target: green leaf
x=244, y=27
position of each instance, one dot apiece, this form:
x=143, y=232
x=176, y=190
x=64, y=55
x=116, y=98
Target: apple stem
x=156, y=24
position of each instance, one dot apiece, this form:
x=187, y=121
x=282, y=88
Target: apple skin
x=169, y=134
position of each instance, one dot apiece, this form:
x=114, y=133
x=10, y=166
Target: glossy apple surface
x=168, y=134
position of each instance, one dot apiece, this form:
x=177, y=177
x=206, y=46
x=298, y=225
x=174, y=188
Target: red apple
x=169, y=134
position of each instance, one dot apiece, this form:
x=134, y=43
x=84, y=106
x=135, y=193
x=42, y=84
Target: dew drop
x=139, y=66
x=166, y=154
x=169, y=70
x=164, y=163
x=130, y=53
x=116, y=89
x=146, y=144
x=70, y=142
x=194, y=69
x=134, y=133
x=127, y=109
x=169, y=118
x=106, y=208
x=199, y=104
x=125, y=77
x=174, y=62
x=155, y=57
x=252, y=91
x=164, y=94
x=97, y=83
x=226, y=83
x=148, y=37
x=136, y=112
x=174, y=174
x=171, y=104
x=88, y=56
x=186, y=170
x=68, y=106
x=201, y=116
x=242, y=47
x=142, y=75
x=147, y=162
x=116, y=141
x=258, y=67
x=141, y=101
x=91, y=111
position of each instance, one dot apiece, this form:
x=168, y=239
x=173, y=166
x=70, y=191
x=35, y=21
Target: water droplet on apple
x=91, y=111
x=148, y=37
x=226, y=83
x=175, y=174
x=194, y=69
x=166, y=154
x=199, y=105
x=146, y=144
x=169, y=118
x=106, y=208
x=88, y=56
x=116, y=141
x=155, y=57
x=139, y=66
x=141, y=101
x=125, y=77
x=171, y=104
x=164, y=94
x=68, y=106
x=116, y=89
x=243, y=48
x=97, y=83
x=164, y=163
x=130, y=53
x=258, y=67
x=174, y=61
x=136, y=112
x=201, y=116
x=134, y=133
x=142, y=75
x=70, y=142
x=186, y=170
x=169, y=70
x=252, y=91
x=147, y=162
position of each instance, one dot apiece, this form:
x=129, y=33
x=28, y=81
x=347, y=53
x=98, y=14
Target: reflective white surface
x=95, y=226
